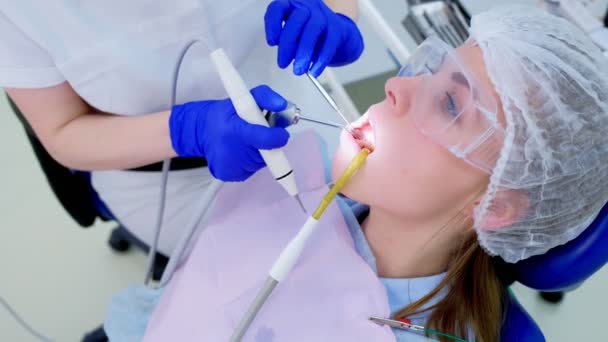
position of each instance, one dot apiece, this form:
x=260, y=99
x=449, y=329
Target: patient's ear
x=507, y=207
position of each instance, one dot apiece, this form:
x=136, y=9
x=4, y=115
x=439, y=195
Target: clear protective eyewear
x=451, y=108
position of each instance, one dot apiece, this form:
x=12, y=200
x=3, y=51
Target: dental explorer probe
x=290, y=254
x=249, y=111
x=325, y=123
x=330, y=100
x=292, y=116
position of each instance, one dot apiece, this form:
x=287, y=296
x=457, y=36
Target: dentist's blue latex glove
x=212, y=129
x=312, y=33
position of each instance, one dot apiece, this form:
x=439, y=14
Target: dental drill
x=248, y=110
x=291, y=253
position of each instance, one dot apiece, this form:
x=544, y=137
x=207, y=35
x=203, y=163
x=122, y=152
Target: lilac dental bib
x=328, y=296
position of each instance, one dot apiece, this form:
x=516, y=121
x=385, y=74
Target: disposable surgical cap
x=553, y=166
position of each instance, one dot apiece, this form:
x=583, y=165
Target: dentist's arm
x=313, y=34
x=79, y=137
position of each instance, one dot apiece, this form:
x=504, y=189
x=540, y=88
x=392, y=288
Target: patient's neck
x=408, y=249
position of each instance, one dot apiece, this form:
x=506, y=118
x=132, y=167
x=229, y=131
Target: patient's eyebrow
x=461, y=79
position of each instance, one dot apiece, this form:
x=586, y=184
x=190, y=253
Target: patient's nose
x=398, y=93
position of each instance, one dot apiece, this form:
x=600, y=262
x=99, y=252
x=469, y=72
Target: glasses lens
x=448, y=106
x=446, y=90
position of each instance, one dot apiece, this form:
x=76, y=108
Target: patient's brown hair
x=475, y=297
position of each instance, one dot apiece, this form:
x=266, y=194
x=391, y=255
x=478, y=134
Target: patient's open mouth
x=363, y=132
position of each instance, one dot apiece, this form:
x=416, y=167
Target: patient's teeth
x=357, y=133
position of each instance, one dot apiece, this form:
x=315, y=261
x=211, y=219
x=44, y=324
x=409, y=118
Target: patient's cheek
x=338, y=166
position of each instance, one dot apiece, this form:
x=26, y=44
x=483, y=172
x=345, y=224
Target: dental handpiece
x=248, y=110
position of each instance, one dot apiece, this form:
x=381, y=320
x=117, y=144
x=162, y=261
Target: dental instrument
x=325, y=123
x=406, y=324
x=290, y=254
x=330, y=100
x=204, y=203
x=289, y=116
x=292, y=116
x=248, y=110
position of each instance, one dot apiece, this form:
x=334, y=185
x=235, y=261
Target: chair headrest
x=568, y=265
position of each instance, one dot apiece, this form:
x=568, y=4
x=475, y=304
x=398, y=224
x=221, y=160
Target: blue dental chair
x=563, y=268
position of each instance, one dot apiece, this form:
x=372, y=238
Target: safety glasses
x=451, y=108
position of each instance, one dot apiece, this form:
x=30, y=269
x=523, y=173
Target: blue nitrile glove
x=212, y=129
x=312, y=33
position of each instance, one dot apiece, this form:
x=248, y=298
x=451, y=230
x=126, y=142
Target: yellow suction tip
x=351, y=169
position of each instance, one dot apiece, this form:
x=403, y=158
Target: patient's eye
x=449, y=105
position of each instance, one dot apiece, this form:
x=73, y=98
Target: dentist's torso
x=119, y=56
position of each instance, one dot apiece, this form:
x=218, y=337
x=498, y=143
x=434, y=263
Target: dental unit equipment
x=249, y=111
x=291, y=253
x=291, y=115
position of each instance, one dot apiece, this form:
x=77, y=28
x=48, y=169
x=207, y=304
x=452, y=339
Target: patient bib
x=329, y=295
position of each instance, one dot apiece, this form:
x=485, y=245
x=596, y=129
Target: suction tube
x=291, y=253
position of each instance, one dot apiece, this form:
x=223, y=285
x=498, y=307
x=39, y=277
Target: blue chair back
x=560, y=269
x=567, y=266
x=519, y=325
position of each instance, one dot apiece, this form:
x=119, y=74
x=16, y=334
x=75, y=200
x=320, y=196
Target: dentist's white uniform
x=119, y=57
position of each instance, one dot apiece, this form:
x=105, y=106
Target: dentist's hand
x=212, y=129
x=312, y=33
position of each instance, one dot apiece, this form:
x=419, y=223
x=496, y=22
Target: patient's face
x=408, y=174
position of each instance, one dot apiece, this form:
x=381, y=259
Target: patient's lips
x=363, y=132
x=357, y=133
x=359, y=136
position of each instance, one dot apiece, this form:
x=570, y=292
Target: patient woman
x=489, y=153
